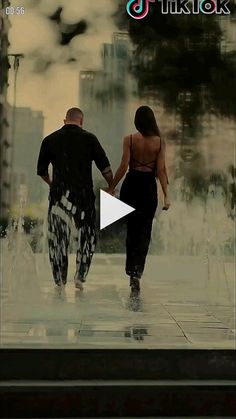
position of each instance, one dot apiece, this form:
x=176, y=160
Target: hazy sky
x=54, y=89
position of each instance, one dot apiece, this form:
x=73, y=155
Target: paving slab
x=179, y=307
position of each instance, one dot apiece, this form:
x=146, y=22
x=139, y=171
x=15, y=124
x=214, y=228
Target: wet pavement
x=185, y=302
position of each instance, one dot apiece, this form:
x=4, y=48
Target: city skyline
x=52, y=77
x=48, y=73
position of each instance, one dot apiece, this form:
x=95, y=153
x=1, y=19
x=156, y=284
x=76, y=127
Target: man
x=71, y=151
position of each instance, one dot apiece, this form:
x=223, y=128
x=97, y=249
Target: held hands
x=110, y=190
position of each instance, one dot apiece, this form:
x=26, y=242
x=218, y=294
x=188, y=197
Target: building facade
x=28, y=135
x=103, y=95
x=5, y=162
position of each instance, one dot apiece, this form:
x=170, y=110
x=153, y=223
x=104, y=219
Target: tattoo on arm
x=108, y=175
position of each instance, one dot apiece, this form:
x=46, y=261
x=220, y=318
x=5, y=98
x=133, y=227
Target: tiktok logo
x=207, y=6
x=138, y=9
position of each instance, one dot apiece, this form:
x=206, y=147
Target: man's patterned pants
x=62, y=223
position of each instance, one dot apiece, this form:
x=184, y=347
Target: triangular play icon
x=112, y=209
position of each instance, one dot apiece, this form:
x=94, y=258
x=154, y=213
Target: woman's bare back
x=143, y=152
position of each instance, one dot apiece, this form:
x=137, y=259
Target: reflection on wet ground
x=178, y=307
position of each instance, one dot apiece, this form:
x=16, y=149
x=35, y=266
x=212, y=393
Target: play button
x=112, y=209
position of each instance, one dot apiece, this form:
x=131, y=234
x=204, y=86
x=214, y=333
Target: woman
x=144, y=154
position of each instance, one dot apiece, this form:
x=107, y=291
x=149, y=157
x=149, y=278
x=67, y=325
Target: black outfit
x=139, y=190
x=71, y=151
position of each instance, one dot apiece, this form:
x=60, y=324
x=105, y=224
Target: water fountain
x=200, y=229
x=19, y=267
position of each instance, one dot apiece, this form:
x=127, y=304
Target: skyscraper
x=4, y=123
x=103, y=95
x=28, y=137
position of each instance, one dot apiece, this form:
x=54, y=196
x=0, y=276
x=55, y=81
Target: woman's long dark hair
x=145, y=122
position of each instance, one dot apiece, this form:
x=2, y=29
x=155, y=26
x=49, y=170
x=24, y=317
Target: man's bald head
x=74, y=116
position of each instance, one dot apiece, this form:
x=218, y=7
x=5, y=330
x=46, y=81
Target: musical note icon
x=138, y=9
